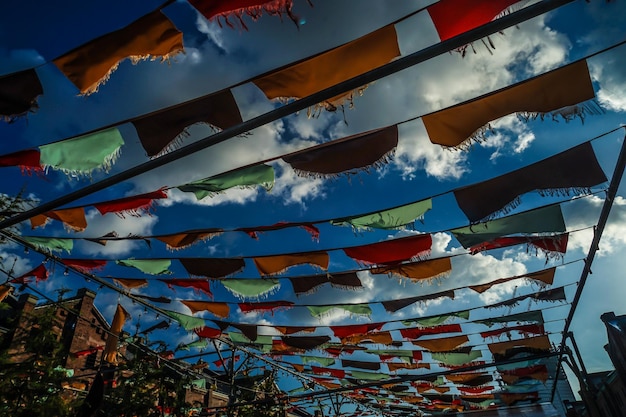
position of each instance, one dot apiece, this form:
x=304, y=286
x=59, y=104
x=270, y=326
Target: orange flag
x=314, y=74
x=560, y=91
x=110, y=349
x=90, y=65
x=219, y=309
x=73, y=218
x=272, y=265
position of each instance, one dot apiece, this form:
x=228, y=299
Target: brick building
x=82, y=339
x=83, y=332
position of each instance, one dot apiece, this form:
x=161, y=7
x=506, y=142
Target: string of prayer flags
x=149, y=37
x=18, y=94
x=394, y=305
x=133, y=206
x=287, y=330
x=251, y=331
x=418, y=271
x=572, y=171
x=436, y=320
x=250, y=177
x=396, y=218
x=356, y=309
x=536, y=343
x=471, y=379
x=305, y=342
x=456, y=358
x=27, y=160
x=543, y=278
x=49, y=244
x=335, y=373
x=198, y=344
x=323, y=361
x=81, y=155
x=196, y=284
x=271, y=306
x=212, y=267
x=368, y=376
x=553, y=295
x=475, y=390
x=554, y=246
x=332, y=67
x=547, y=219
x=253, y=232
x=443, y=344
x=388, y=354
x=208, y=332
x=148, y=266
x=372, y=366
x=524, y=329
x=251, y=288
x=163, y=324
x=40, y=273
x=396, y=366
x=392, y=251
x=162, y=131
x=131, y=283
x=355, y=329
x=188, y=323
x=537, y=372
x=84, y=265
x=535, y=316
x=224, y=9
x=221, y=310
x=309, y=284
x=467, y=122
x=349, y=156
x=417, y=332
x=277, y=264
x=84, y=154
x=159, y=299
x=110, y=349
x=383, y=338
x=184, y=240
x=454, y=17
x=72, y=218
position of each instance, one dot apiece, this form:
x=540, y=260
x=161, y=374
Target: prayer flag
x=90, y=65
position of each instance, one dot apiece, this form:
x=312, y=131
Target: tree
x=31, y=383
x=145, y=388
x=265, y=393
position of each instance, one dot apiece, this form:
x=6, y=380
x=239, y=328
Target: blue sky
x=215, y=58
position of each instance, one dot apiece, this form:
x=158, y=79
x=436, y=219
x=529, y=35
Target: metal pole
x=618, y=172
x=298, y=105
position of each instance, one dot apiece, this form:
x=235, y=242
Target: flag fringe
x=203, y=238
x=381, y=163
x=567, y=113
x=272, y=8
x=105, y=167
x=95, y=87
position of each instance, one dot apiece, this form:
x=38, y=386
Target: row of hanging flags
x=566, y=92
x=543, y=229
x=90, y=65
x=482, y=202
x=447, y=352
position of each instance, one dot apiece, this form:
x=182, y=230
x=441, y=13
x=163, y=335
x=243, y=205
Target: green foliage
x=32, y=386
x=144, y=388
x=265, y=392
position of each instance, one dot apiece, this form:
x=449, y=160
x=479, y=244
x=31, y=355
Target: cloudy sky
x=33, y=34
